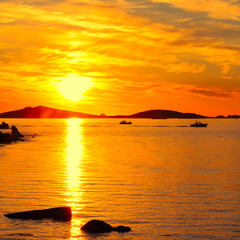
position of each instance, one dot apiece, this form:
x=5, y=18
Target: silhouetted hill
x=44, y=112
x=161, y=114
x=233, y=116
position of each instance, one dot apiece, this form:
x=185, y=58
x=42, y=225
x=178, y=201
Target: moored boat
x=125, y=122
x=199, y=124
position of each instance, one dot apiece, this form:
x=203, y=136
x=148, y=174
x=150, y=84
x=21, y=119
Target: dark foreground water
x=160, y=177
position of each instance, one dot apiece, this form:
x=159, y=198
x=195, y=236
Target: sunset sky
x=121, y=56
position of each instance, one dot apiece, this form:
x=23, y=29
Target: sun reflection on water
x=74, y=170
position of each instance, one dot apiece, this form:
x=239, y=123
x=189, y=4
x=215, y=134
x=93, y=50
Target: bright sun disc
x=73, y=87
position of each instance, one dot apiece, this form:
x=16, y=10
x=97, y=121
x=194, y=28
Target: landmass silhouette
x=47, y=112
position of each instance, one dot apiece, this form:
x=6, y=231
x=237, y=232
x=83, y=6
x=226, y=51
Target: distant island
x=47, y=112
x=44, y=112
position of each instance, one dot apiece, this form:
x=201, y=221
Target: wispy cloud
x=214, y=8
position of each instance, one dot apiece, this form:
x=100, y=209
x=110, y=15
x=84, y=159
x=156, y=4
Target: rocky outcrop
x=4, y=126
x=98, y=226
x=15, y=135
x=15, y=132
x=59, y=213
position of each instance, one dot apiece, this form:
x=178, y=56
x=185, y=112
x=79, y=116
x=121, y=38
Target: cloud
x=183, y=89
x=184, y=67
x=33, y=2
x=215, y=8
x=77, y=26
x=215, y=93
x=212, y=93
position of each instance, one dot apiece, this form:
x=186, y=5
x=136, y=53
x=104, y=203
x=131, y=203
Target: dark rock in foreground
x=59, y=213
x=6, y=138
x=4, y=126
x=15, y=132
x=98, y=226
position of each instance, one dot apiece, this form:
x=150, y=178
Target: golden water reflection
x=74, y=170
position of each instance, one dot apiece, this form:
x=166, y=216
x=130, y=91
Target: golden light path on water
x=74, y=169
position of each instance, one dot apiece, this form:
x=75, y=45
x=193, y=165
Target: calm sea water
x=160, y=177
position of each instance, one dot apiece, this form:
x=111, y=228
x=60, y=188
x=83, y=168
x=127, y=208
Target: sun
x=73, y=87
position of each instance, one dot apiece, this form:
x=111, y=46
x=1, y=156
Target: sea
x=161, y=177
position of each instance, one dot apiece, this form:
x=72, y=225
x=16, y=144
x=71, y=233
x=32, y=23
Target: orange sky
x=124, y=56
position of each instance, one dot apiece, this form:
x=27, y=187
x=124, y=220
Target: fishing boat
x=199, y=124
x=125, y=122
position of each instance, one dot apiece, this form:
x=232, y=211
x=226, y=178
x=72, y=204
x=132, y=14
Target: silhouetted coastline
x=47, y=112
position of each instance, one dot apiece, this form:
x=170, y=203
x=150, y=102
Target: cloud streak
x=214, y=8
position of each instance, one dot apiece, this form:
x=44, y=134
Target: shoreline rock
x=98, y=226
x=58, y=213
x=7, y=138
x=15, y=132
x=4, y=125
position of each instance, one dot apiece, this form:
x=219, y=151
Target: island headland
x=47, y=112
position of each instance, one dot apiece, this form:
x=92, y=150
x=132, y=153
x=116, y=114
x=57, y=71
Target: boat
x=199, y=124
x=4, y=126
x=125, y=122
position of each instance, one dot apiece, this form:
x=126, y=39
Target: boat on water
x=125, y=122
x=198, y=124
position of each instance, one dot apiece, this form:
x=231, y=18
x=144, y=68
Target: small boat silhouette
x=125, y=122
x=199, y=124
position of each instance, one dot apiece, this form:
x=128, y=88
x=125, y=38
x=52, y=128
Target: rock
x=59, y=213
x=15, y=132
x=98, y=226
x=5, y=138
x=122, y=229
x=4, y=126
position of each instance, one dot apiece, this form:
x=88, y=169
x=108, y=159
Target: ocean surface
x=162, y=178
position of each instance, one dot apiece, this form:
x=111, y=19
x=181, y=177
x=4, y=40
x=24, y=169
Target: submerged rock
x=98, y=226
x=122, y=229
x=59, y=213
